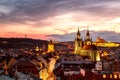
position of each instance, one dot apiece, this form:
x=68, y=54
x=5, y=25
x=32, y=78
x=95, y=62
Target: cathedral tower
x=78, y=43
x=88, y=40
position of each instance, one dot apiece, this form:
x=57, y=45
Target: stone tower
x=88, y=39
x=50, y=46
x=78, y=43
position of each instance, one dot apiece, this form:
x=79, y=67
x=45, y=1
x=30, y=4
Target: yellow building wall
x=93, y=54
x=107, y=44
x=50, y=48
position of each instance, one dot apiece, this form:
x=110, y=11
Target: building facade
x=50, y=46
x=78, y=43
x=85, y=47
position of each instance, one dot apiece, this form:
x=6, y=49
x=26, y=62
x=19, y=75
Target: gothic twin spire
x=78, y=34
x=87, y=34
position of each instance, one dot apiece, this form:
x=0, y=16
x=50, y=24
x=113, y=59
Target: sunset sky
x=60, y=19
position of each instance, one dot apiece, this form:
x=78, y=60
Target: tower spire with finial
x=88, y=39
x=87, y=34
x=78, y=34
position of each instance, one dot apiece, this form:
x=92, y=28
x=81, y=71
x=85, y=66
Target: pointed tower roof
x=51, y=41
x=88, y=35
x=78, y=33
x=87, y=31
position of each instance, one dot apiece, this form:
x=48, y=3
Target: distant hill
x=21, y=42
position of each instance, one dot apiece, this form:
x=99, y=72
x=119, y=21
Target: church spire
x=88, y=39
x=88, y=34
x=78, y=34
x=78, y=42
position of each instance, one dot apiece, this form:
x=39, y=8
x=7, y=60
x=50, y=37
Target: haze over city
x=60, y=19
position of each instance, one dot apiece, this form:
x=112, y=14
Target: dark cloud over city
x=60, y=15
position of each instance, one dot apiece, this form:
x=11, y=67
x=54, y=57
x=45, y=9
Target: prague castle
x=85, y=47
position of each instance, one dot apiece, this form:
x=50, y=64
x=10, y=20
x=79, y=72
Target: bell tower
x=88, y=39
x=78, y=43
x=50, y=46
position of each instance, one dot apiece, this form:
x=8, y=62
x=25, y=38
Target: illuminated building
x=102, y=43
x=50, y=47
x=89, y=48
x=78, y=43
x=37, y=48
x=86, y=48
x=88, y=40
x=100, y=40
